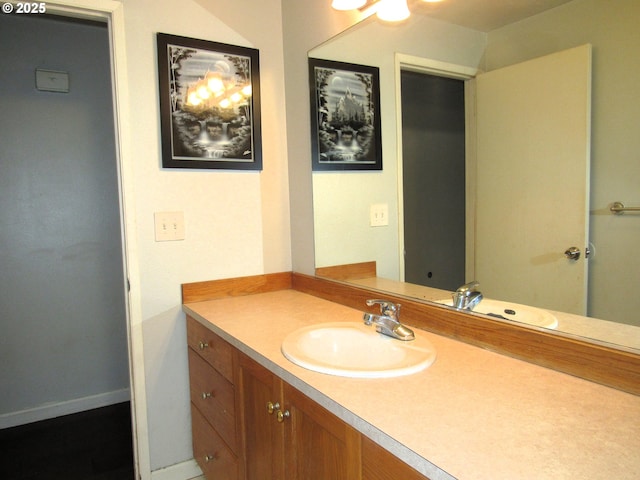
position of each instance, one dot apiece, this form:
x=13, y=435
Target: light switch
x=169, y=226
x=379, y=215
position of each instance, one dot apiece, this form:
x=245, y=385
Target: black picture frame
x=199, y=129
x=345, y=116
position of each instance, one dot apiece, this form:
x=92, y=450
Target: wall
x=375, y=43
x=63, y=346
x=237, y=223
x=615, y=168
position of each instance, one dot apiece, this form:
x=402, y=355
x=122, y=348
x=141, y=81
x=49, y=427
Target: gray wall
x=62, y=313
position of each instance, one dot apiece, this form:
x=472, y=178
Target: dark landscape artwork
x=345, y=116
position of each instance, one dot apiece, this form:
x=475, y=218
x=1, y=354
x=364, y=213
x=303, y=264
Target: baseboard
x=188, y=470
x=53, y=410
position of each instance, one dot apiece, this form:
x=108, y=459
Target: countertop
x=473, y=414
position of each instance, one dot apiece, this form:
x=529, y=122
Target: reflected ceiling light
x=393, y=10
x=347, y=4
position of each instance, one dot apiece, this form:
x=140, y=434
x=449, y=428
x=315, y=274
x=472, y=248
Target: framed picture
x=345, y=116
x=209, y=104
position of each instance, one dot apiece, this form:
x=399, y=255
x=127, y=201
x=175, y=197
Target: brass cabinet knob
x=282, y=415
x=203, y=345
x=208, y=458
x=272, y=407
x=206, y=395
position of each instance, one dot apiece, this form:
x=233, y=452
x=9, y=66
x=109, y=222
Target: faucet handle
x=387, y=308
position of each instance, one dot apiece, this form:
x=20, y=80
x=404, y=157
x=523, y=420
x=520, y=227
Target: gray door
x=433, y=151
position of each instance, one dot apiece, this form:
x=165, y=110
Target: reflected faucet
x=387, y=322
x=467, y=296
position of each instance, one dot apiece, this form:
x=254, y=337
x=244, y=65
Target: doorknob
x=572, y=253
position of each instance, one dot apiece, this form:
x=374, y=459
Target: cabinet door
x=318, y=444
x=379, y=464
x=263, y=434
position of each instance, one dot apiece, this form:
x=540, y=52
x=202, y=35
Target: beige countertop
x=473, y=414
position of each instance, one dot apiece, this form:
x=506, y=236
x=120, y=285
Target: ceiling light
x=347, y=4
x=393, y=10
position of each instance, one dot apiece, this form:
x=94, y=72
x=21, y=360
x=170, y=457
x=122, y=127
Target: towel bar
x=619, y=208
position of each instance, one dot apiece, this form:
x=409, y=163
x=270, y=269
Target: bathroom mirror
x=342, y=201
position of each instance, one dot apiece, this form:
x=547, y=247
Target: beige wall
x=237, y=223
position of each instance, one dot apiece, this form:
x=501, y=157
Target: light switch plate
x=169, y=226
x=379, y=215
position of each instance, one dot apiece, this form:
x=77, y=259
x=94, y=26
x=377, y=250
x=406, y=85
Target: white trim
x=53, y=410
x=188, y=470
x=113, y=13
x=433, y=67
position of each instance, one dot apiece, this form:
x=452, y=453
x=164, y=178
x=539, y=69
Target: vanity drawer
x=211, y=347
x=214, y=397
x=210, y=451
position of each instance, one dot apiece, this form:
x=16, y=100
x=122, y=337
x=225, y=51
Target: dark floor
x=92, y=445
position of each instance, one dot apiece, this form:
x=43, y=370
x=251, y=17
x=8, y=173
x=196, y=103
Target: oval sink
x=513, y=311
x=352, y=349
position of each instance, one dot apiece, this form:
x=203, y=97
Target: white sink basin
x=352, y=349
x=513, y=311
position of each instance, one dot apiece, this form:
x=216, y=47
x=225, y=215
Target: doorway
x=63, y=294
x=433, y=166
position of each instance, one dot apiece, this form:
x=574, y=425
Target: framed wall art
x=209, y=104
x=345, y=116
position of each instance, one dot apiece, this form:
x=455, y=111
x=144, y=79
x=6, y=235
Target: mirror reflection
x=425, y=44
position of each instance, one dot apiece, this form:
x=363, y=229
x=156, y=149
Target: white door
x=533, y=134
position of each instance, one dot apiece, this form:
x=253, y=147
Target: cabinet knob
x=208, y=458
x=272, y=407
x=203, y=345
x=206, y=395
x=282, y=415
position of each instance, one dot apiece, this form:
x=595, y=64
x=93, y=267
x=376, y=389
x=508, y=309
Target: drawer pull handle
x=282, y=415
x=203, y=345
x=272, y=407
x=208, y=458
x=206, y=395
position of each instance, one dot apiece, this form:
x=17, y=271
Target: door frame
x=449, y=70
x=112, y=13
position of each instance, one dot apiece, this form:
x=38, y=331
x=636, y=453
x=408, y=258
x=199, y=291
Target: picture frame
x=345, y=116
x=209, y=104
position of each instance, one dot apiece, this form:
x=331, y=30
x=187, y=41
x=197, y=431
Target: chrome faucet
x=387, y=322
x=467, y=296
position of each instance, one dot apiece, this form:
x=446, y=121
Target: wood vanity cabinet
x=261, y=394
x=249, y=424
x=214, y=404
x=288, y=435
x=379, y=464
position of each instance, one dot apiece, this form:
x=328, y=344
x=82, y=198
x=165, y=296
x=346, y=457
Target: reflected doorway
x=433, y=166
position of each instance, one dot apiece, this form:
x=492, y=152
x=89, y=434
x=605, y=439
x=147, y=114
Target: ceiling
x=483, y=15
